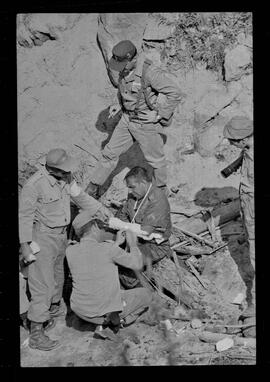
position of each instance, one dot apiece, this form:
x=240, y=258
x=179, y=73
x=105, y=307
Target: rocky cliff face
x=64, y=84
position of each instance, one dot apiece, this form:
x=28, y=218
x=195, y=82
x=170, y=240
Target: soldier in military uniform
x=139, y=84
x=44, y=214
x=239, y=132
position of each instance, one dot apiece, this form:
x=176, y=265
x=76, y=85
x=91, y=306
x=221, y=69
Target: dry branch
x=194, y=236
x=196, y=273
x=191, y=250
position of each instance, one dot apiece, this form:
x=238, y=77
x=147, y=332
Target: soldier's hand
x=131, y=238
x=27, y=253
x=149, y=116
x=120, y=237
x=114, y=110
x=104, y=214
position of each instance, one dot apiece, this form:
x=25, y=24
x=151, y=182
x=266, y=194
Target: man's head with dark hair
x=138, y=181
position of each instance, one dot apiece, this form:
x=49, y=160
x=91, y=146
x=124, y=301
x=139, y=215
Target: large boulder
x=61, y=89
x=221, y=270
x=208, y=134
x=238, y=62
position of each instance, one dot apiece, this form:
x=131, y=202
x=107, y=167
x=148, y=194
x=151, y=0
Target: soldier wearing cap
x=96, y=295
x=239, y=132
x=139, y=84
x=44, y=214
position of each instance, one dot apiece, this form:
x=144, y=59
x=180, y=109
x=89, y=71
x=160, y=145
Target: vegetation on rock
x=201, y=38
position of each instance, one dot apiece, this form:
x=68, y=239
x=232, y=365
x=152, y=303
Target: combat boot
x=24, y=321
x=38, y=340
x=93, y=190
x=57, y=309
x=49, y=324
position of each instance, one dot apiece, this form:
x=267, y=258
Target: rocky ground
x=63, y=91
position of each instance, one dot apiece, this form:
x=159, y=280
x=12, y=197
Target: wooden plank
x=192, y=251
x=194, y=236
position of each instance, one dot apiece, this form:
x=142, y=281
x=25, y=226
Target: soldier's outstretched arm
x=85, y=201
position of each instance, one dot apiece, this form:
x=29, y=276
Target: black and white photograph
x=136, y=219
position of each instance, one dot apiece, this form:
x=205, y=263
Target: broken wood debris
x=192, y=250
x=218, y=248
x=196, y=273
x=251, y=357
x=180, y=274
x=194, y=236
x=221, y=215
x=211, y=225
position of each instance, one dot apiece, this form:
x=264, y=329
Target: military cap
x=81, y=219
x=122, y=52
x=58, y=158
x=239, y=127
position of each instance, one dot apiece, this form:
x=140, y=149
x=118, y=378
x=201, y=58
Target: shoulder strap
x=146, y=65
x=142, y=90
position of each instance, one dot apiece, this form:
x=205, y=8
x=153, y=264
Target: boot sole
x=58, y=313
x=44, y=349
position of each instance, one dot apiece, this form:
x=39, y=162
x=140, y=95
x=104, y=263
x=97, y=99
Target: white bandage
x=118, y=224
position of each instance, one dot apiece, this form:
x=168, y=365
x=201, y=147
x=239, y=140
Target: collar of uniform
x=50, y=178
x=151, y=196
x=88, y=238
x=138, y=70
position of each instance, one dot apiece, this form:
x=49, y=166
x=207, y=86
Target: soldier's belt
x=134, y=116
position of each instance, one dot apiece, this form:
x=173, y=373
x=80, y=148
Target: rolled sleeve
x=161, y=82
x=27, y=208
x=132, y=260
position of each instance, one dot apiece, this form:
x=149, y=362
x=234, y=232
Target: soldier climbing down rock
x=139, y=84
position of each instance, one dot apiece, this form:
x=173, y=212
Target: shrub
x=201, y=38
